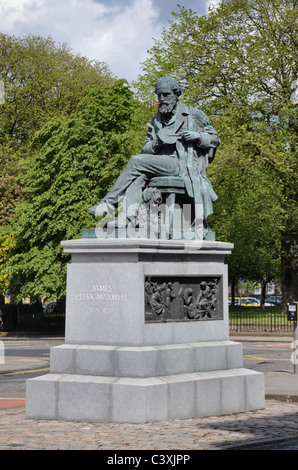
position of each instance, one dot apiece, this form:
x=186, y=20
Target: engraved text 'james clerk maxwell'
x=101, y=292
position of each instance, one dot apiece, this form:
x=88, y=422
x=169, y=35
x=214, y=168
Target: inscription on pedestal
x=183, y=298
x=101, y=298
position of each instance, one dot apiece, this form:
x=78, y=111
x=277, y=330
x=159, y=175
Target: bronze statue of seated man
x=180, y=142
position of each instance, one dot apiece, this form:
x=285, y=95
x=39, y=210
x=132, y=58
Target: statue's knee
x=136, y=162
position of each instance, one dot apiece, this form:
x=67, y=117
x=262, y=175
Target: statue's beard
x=167, y=108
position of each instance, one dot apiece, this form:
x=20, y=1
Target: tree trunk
x=233, y=285
x=263, y=293
x=289, y=275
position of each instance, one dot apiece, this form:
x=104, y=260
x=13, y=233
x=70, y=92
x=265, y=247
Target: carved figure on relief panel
x=189, y=304
x=156, y=302
x=148, y=293
x=213, y=288
x=170, y=296
x=207, y=299
x=177, y=305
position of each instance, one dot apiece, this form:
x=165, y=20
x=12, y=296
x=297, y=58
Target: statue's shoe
x=100, y=209
x=119, y=222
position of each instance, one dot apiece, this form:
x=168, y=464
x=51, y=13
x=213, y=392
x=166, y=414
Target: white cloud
x=20, y=11
x=124, y=39
x=119, y=35
x=117, y=32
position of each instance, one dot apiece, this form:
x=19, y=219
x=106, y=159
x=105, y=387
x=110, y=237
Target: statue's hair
x=172, y=82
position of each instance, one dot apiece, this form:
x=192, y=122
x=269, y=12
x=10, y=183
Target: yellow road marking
x=265, y=358
x=25, y=371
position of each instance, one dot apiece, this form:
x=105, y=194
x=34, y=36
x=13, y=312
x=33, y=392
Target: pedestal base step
x=145, y=361
x=72, y=397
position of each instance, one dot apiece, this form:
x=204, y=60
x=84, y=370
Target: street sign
x=292, y=312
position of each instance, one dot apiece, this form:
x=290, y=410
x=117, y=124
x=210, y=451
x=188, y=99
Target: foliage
x=6, y=246
x=250, y=210
x=242, y=52
x=73, y=161
x=10, y=191
x=41, y=79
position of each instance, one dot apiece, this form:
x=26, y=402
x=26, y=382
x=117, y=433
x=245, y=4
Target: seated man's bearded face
x=167, y=99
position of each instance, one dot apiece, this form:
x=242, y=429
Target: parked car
x=51, y=307
x=274, y=299
x=249, y=302
x=245, y=301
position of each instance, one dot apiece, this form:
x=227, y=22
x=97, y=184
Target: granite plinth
x=105, y=290
x=118, y=366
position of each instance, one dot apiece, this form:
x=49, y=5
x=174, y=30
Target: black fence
x=32, y=317
x=268, y=319
x=35, y=317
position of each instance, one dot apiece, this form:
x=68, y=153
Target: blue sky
x=118, y=32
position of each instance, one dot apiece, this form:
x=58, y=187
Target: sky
x=118, y=32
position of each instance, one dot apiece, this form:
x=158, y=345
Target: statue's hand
x=156, y=144
x=191, y=136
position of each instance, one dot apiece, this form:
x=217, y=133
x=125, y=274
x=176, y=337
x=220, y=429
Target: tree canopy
x=242, y=52
x=41, y=79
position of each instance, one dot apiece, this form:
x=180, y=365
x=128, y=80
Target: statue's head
x=168, y=92
x=169, y=84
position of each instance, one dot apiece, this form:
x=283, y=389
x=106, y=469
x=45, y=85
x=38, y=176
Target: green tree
x=246, y=213
x=6, y=246
x=73, y=162
x=10, y=191
x=41, y=80
x=238, y=63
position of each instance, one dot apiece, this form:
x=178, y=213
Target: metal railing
x=27, y=317
x=269, y=319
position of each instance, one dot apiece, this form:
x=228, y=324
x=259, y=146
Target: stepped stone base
x=139, y=400
x=145, y=361
x=126, y=361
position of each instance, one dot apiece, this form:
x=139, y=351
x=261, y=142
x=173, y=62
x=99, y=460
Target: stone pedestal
x=147, y=336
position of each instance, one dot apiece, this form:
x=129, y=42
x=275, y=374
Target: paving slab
x=275, y=425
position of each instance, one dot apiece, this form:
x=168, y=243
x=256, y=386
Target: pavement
x=274, y=427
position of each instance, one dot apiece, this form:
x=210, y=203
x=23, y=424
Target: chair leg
x=170, y=202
